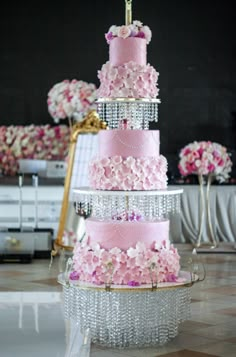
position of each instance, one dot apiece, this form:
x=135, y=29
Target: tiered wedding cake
x=128, y=246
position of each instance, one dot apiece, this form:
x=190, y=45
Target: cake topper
x=128, y=12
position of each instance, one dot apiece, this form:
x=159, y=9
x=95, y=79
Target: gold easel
x=90, y=125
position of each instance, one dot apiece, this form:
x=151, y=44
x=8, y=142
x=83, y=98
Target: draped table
x=185, y=226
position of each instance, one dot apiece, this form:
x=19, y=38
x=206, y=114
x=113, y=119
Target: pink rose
x=124, y=31
x=140, y=34
x=221, y=162
x=211, y=167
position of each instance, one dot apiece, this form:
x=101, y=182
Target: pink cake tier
x=136, y=143
x=127, y=74
x=126, y=234
x=127, y=253
x=129, y=80
x=124, y=50
x=128, y=160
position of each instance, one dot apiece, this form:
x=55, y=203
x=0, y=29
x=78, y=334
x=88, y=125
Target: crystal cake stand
x=124, y=316
x=149, y=204
x=121, y=316
x=140, y=111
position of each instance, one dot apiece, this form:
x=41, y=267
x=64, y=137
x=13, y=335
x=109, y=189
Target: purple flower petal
x=74, y=275
x=133, y=283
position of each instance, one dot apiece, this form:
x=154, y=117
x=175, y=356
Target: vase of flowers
x=75, y=101
x=209, y=161
x=71, y=100
x=33, y=142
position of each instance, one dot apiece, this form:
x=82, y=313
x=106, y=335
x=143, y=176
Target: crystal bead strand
x=138, y=113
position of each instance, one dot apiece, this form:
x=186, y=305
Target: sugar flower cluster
x=71, y=99
x=116, y=173
x=136, y=29
x=127, y=216
x=130, y=80
x=204, y=158
x=31, y=142
x=94, y=264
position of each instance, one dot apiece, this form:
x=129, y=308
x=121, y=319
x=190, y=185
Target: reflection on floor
x=32, y=324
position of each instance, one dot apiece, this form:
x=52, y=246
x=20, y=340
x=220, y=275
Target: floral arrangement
x=136, y=29
x=31, y=142
x=127, y=216
x=69, y=238
x=71, y=99
x=92, y=263
x=128, y=80
x=116, y=173
x=204, y=158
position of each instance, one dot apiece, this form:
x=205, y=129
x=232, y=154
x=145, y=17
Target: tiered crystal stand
x=123, y=316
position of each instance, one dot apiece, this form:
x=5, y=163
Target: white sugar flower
x=113, y=30
x=137, y=23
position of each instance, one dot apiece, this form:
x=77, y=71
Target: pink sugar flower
x=123, y=31
x=138, y=186
x=109, y=36
x=105, y=162
x=141, y=34
x=116, y=160
x=121, y=71
x=74, y=275
x=133, y=283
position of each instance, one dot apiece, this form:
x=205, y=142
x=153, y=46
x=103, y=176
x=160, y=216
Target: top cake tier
x=131, y=49
x=127, y=74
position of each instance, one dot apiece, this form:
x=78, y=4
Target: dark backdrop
x=193, y=48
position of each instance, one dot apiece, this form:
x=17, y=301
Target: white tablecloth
x=185, y=227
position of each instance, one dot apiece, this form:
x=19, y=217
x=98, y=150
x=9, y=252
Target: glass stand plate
x=149, y=204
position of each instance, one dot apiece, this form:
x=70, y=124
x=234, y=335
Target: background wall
x=193, y=48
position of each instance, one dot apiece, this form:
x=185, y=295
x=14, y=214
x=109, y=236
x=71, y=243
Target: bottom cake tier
x=126, y=253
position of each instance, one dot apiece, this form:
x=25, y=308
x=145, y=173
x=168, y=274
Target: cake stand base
x=128, y=317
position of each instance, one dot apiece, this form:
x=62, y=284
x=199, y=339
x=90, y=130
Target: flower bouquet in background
x=31, y=142
x=71, y=100
x=210, y=161
x=205, y=158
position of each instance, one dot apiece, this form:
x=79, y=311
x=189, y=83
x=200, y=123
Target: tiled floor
x=32, y=324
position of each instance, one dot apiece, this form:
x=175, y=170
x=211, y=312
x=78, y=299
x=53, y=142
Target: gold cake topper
x=128, y=12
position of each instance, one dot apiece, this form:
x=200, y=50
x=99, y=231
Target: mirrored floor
x=32, y=320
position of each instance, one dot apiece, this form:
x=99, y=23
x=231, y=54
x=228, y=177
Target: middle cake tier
x=128, y=160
